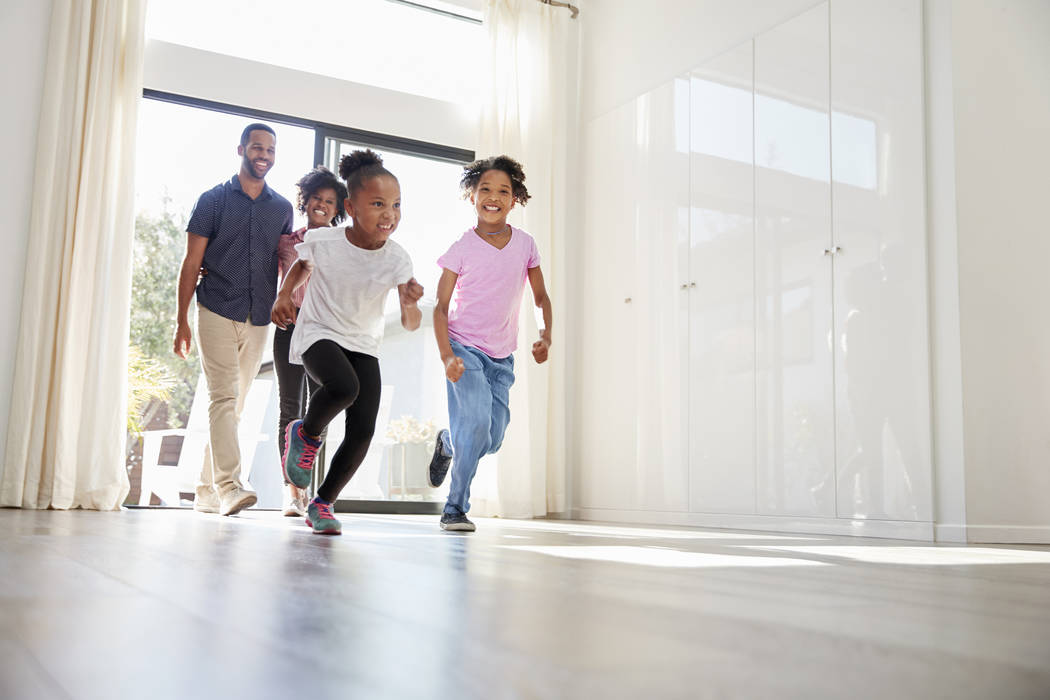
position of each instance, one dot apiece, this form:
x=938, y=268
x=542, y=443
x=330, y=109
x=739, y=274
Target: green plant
x=147, y=380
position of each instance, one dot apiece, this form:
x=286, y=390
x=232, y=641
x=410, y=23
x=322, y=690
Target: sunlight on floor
x=581, y=529
x=659, y=556
x=924, y=556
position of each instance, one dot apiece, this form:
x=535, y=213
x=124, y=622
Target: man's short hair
x=257, y=126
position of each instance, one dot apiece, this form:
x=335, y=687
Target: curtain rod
x=572, y=8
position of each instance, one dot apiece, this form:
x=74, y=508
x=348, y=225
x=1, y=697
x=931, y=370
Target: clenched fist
x=539, y=350
x=454, y=369
x=411, y=292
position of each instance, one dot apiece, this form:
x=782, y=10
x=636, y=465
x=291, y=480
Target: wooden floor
x=175, y=604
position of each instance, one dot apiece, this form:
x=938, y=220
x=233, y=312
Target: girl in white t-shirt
x=340, y=325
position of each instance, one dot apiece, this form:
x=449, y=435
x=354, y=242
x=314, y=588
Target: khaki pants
x=231, y=353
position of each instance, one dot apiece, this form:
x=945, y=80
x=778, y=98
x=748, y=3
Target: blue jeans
x=478, y=414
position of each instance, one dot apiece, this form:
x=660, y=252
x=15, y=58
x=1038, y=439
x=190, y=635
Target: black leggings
x=348, y=380
x=292, y=385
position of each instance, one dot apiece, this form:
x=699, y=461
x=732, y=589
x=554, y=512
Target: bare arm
x=409, y=294
x=188, y=276
x=283, y=311
x=539, y=295
x=453, y=364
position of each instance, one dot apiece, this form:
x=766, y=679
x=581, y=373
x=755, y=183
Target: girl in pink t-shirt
x=487, y=268
x=321, y=197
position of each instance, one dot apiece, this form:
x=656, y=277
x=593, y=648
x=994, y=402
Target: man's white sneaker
x=236, y=500
x=206, y=502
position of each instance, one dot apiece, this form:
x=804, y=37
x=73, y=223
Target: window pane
x=374, y=42
x=182, y=151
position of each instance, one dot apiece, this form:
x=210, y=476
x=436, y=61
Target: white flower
x=407, y=429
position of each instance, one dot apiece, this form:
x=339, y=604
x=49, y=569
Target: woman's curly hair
x=318, y=179
x=472, y=175
x=358, y=166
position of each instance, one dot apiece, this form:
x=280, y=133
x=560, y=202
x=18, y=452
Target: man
x=231, y=247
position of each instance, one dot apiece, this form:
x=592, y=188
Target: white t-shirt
x=347, y=291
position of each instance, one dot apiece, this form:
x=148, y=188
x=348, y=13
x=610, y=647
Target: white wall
x=236, y=81
x=1001, y=78
x=23, y=49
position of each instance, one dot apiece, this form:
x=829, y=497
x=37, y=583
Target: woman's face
x=321, y=207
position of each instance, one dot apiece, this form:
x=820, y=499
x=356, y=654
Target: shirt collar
x=235, y=183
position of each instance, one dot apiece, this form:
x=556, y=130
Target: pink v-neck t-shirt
x=484, y=311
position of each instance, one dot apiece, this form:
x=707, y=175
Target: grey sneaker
x=236, y=500
x=440, y=461
x=457, y=522
x=206, y=501
x=319, y=517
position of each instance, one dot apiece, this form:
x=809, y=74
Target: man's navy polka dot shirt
x=241, y=257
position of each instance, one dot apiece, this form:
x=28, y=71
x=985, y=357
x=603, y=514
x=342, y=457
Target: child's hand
x=410, y=292
x=539, y=350
x=283, y=312
x=453, y=369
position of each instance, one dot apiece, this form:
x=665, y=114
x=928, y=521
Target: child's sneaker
x=299, y=454
x=457, y=522
x=319, y=517
x=440, y=461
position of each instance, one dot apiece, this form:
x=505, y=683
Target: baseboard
x=1008, y=534
x=889, y=529
x=955, y=534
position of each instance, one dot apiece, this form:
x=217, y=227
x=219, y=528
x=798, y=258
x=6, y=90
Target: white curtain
x=65, y=437
x=529, y=114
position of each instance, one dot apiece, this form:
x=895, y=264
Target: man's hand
x=454, y=368
x=183, y=336
x=410, y=292
x=283, y=312
x=539, y=350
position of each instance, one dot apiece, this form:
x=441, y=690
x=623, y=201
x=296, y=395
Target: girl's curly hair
x=318, y=179
x=358, y=166
x=472, y=175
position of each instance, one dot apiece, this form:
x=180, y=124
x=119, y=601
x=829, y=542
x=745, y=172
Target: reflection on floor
x=174, y=604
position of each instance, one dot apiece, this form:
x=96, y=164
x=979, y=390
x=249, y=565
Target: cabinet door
x=659, y=219
x=721, y=286
x=881, y=369
x=608, y=436
x=633, y=328
x=795, y=397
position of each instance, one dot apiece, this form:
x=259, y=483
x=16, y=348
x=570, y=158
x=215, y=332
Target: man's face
x=258, y=154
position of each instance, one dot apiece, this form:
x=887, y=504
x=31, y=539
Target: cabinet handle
x=692, y=284
x=627, y=300
x=827, y=251
x=836, y=250
x=685, y=286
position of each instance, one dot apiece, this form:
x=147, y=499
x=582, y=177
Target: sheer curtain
x=528, y=114
x=65, y=437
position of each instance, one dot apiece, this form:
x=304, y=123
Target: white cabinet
x=754, y=338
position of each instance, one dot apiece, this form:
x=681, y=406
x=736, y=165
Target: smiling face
x=493, y=198
x=321, y=207
x=258, y=154
x=376, y=207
